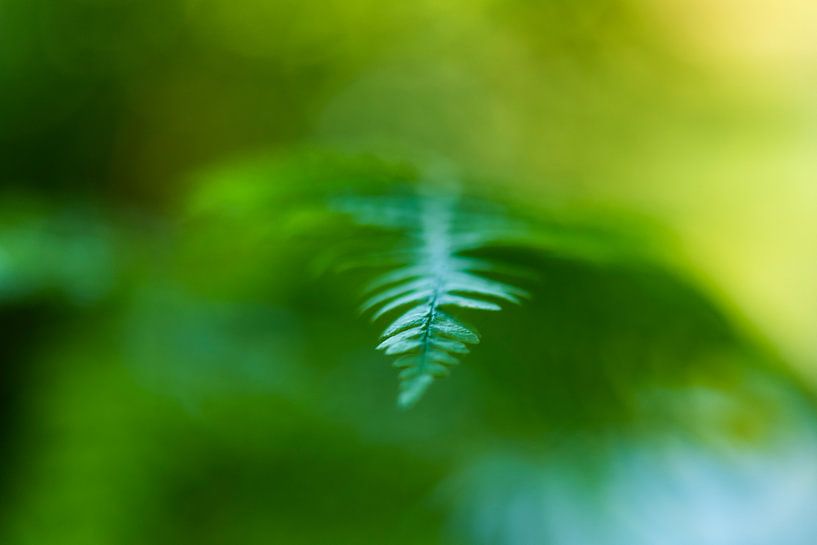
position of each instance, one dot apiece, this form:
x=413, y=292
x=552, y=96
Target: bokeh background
x=181, y=357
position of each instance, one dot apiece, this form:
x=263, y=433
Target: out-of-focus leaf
x=71, y=253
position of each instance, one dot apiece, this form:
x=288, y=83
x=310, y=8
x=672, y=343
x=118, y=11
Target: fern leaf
x=434, y=278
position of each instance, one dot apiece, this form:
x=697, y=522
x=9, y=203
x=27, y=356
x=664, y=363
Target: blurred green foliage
x=226, y=391
x=181, y=356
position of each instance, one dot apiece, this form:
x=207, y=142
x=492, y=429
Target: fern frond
x=435, y=276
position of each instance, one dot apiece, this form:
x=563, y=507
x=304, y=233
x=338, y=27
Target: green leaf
x=456, y=331
x=467, y=302
x=410, y=318
x=427, y=340
x=412, y=297
x=393, y=293
x=402, y=336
